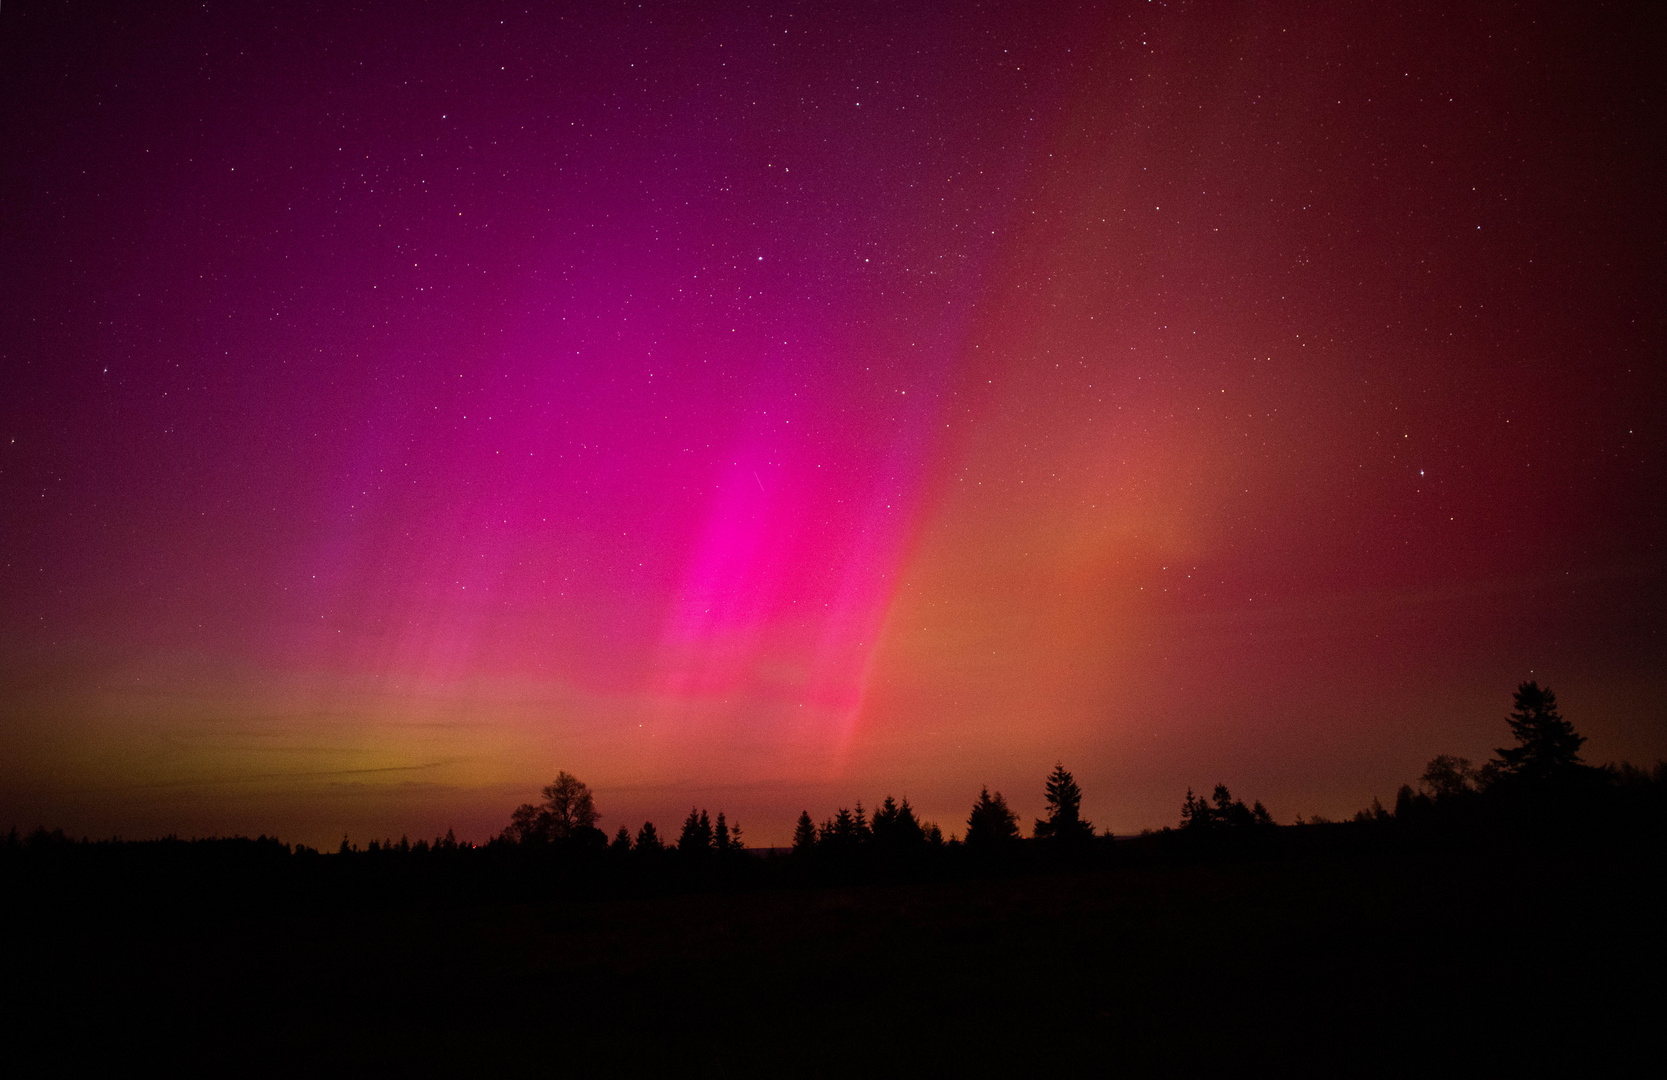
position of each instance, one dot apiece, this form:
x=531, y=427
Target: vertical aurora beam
x=729, y=597
x=790, y=581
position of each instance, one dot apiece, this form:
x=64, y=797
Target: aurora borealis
x=773, y=406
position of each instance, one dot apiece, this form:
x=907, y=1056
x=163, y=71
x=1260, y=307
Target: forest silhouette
x=877, y=938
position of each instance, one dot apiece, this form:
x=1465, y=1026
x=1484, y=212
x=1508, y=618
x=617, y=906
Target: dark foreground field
x=1343, y=963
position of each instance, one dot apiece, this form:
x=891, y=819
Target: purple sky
x=769, y=407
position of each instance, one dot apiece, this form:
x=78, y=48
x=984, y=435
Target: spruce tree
x=885, y=820
x=860, y=831
x=804, y=836
x=844, y=828
x=1231, y=811
x=1546, y=743
x=991, y=825
x=1195, y=812
x=907, y=828
x=697, y=832
x=1064, y=821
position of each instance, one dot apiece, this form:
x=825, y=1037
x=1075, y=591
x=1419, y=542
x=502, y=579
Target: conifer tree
x=991, y=825
x=1064, y=821
x=1231, y=811
x=1195, y=812
x=1198, y=813
x=907, y=829
x=804, y=835
x=885, y=819
x=697, y=833
x=861, y=833
x=1546, y=743
x=844, y=829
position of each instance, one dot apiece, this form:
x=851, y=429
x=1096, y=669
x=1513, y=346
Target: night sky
x=772, y=406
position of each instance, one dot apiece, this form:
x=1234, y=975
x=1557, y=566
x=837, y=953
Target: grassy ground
x=1337, y=964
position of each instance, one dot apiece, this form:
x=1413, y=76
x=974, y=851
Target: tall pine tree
x=991, y=824
x=804, y=836
x=697, y=833
x=1547, y=745
x=1064, y=821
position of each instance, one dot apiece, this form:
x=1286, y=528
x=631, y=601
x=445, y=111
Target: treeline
x=992, y=826
x=554, y=848
x=564, y=823
x=1539, y=785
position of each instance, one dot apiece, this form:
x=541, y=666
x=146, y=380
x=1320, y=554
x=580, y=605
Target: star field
x=771, y=405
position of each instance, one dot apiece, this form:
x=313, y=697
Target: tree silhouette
x=567, y=812
x=1547, y=745
x=840, y=832
x=523, y=824
x=885, y=816
x=908, y=830
x=726, y=837
x=697, y=833
x=895, y=826
x=1064, y=821
x=570, y=807
x=648, y=839
x=622, y=840
x=1447, y=777
x=1375, y=812
x=1221, y=810
x=1231, y=811
x=861, y=833
x=991, y=824
x=1195, y=812
x=804, y=835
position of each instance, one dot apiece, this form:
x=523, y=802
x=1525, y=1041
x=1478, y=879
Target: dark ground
x=1342, y=963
